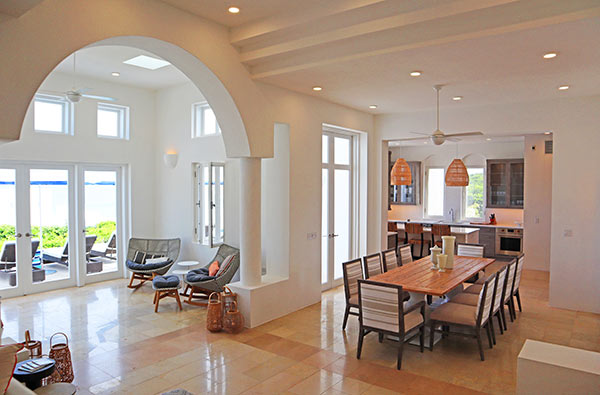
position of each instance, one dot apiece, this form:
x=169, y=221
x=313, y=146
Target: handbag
x=214, y=313
x=63, y=372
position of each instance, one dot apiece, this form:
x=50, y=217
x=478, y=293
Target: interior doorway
x=339, y=210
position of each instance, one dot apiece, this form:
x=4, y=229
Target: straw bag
x=228, y=298
x=63, y=373
x=34, y=346
x=233, y=322
x=214, y=314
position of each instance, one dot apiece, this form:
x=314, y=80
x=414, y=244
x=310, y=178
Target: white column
x=250, y=227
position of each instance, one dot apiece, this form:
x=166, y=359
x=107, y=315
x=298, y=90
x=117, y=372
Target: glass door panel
x=516, y=184
x=101, y=215
x=49, y=218
x=8, y=226
x=342, y=215
x=498, y=187
x=325, y=226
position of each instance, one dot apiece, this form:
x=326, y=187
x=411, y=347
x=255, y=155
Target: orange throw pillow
x=213, y=268
x=8, y=360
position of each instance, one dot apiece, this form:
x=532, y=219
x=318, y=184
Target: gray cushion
x=147, y=266
x=170, y=281
x=197, y=275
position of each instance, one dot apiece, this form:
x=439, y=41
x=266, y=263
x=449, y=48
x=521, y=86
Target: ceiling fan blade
x=105, y=98
x=453, y=139
x=422, y=134
x=413, y=138
x=464, y=134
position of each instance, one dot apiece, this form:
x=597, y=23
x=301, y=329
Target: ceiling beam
x=378, y=25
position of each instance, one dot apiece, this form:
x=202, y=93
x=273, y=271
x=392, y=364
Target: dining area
x=454, y=291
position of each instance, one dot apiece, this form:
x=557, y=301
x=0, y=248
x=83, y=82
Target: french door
x=338, y=216
x=42, y=225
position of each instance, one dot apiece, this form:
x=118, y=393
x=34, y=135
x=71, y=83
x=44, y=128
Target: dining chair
x=382, y=311
x=410, y=228
x=352, y=272
x=404, y=254
x=506, y=297
x=439, y=230
x=515, y=287
x=372, y=265
x=466, y=316
x=497, y=305
x=474, y=250
x=390, y=259
x=392, y=226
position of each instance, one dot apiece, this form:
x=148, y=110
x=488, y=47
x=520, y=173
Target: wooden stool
x=415, y=229
x=166, y=286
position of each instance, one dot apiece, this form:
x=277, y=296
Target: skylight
x=147, y=62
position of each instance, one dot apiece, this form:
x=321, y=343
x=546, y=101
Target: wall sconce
x=170, y=159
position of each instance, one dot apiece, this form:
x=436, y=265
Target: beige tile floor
x=119, y=345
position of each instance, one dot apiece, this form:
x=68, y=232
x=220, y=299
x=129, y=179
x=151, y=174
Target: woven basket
x=233, y=321
x=34, y=346
x=63, y=373
x=214, y=313
x=228, y=298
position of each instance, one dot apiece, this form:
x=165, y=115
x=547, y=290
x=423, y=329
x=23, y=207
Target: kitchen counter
x=455, y=230
x=456, y=224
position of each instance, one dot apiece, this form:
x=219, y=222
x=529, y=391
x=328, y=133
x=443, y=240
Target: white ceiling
x=100, y=61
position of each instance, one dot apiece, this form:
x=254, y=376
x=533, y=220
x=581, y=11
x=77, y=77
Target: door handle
x=18, y=235
x=28, y=234
x=334, y=235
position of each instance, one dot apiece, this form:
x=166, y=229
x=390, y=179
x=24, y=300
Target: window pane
x=325, y=148
x=205, y=205
x=210, y=122
x=342, y=151
x=48, y=116
x=108, y=123
x=435, y=192
x=474, y=194
x=8, y=223
x=324, y=226
x=342, y=220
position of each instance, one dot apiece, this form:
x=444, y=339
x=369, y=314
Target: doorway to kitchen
x=339, y=210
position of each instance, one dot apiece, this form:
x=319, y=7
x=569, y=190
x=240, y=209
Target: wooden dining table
x=419, y=277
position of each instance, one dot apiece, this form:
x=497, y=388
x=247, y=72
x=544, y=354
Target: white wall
x=538, y=203
x=473, y=155
x=574, y=268
x=85, y=147
x=174, y=188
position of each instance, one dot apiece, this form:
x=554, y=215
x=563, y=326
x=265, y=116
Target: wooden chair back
x=439, y=230
x=520, y=262
x=390, y=259
x=372, y=265
x=392, y=226
x=404, y=254
x=352, y=272
x=467, y=249
x=510, y=279
x=381, y=306
x=499, y=289
x=413, y=228
x=485, y=303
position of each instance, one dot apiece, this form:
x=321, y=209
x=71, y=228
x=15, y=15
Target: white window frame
x=123, y=120
x=203, y=226
x=67, y=113
x=426, y=193
x=198, y=110
x=464, y=197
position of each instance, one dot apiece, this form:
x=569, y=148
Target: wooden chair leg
x=346, y=313
x=131, y=281
x=431, y=334
x=479, y=344
x=519, y=300
x=361, y=334
x=503, y=317
x=176, y=293
x=380, y=337
x=422, y=337
x=158, y=294
x=400, y=349
x=155, y=294
x=491, y=323
x=489, y=335
x=500, y=322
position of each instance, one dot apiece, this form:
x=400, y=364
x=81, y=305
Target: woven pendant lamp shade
x=401, y=174
x=457, y=175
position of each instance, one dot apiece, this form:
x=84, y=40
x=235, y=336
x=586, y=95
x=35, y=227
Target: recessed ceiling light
x=234, y=9
x=317, y=88
x=457, y=98
x=563, y=87
x=147, y=62
x=373, y=106
x=424, y=142
x=115, y=74
x=415, y=73
x=550, y=55
x=547, y=132
x=488, y=139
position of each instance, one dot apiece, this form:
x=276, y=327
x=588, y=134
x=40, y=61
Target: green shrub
x=56, y=236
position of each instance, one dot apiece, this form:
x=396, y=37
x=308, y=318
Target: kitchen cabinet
x=408, y=194
x=505, y=183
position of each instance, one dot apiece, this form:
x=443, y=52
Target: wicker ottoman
x=166, y=286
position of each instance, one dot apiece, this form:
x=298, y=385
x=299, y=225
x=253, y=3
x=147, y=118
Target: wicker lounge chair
x=139, y=250
x=199, y=282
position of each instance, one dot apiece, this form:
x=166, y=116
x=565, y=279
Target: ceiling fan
x=74, y=95
x=438, y=137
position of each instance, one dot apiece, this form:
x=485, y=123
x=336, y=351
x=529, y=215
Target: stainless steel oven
x=509, y=241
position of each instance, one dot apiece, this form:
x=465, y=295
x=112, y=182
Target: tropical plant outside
x=474, y=195
x=56, y=236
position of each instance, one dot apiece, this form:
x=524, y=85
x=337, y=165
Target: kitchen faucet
x=451, y=212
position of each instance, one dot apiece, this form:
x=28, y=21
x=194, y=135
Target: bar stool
x=439, y=230
x=417, y=230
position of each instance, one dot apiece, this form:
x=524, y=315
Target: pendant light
x=457, y=175
x=400, y=174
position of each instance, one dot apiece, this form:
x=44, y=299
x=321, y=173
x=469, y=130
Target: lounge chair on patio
x=8, y=256
x=200, y=282
x=61, y=255
x=106, y=250
x=140, y=250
